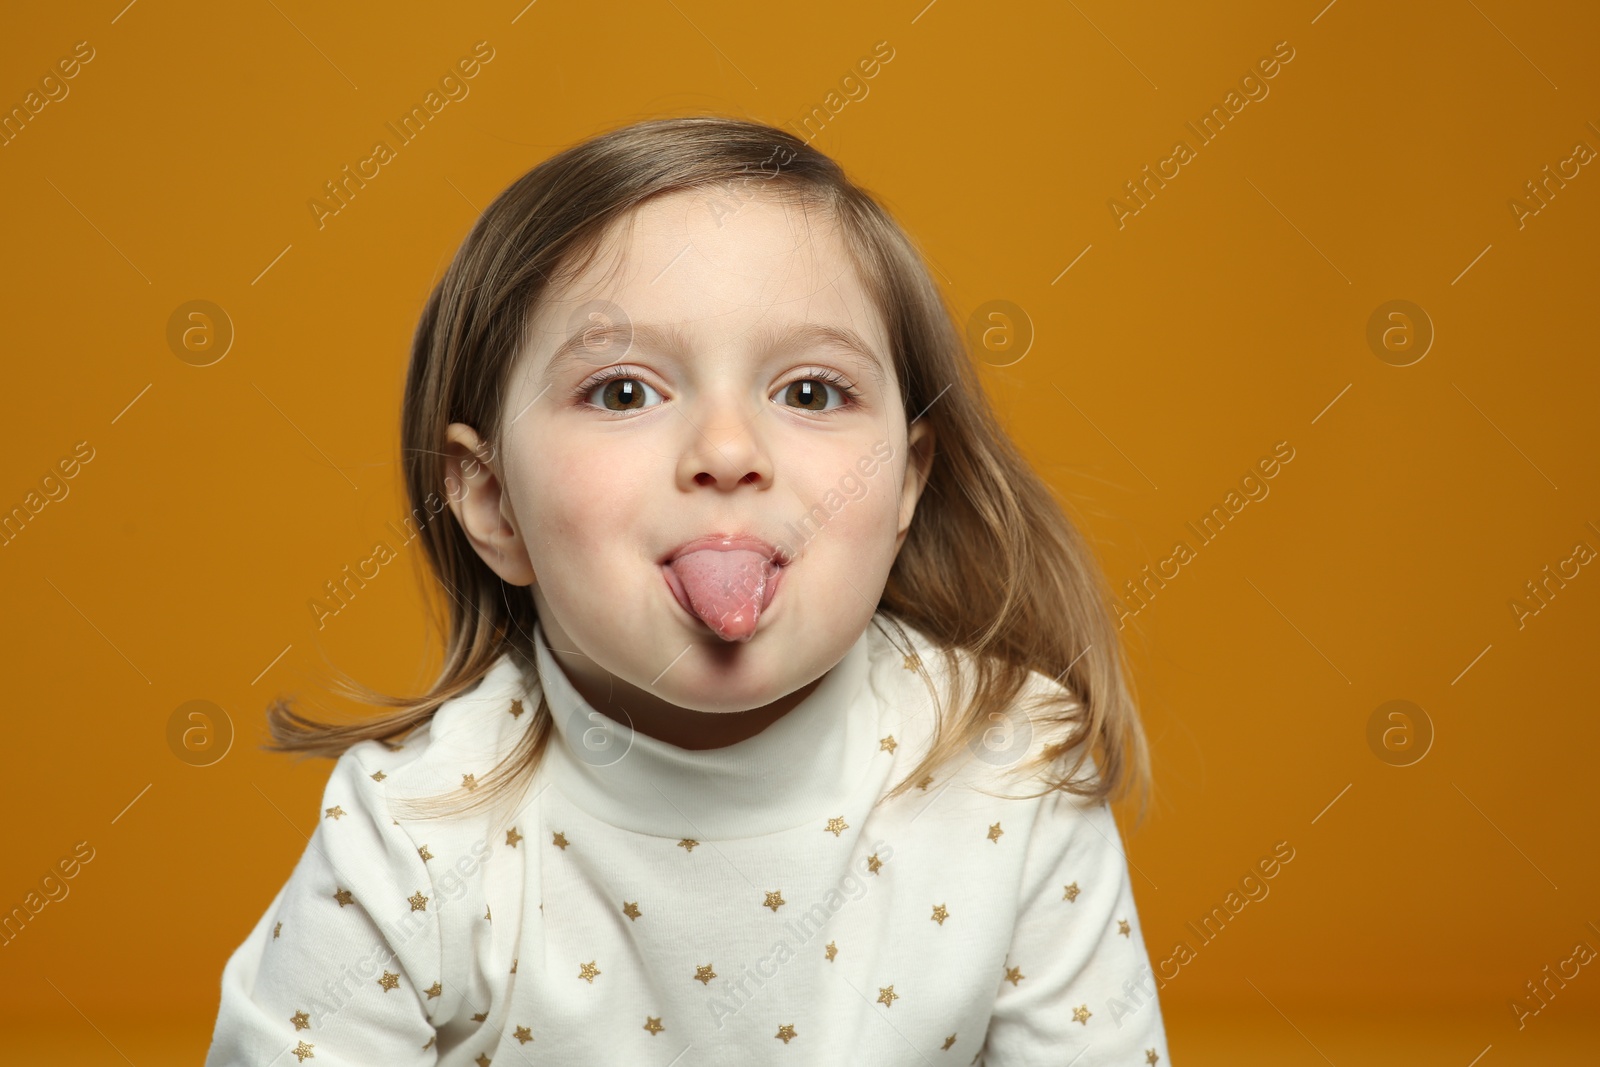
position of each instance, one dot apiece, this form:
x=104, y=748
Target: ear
x=919, y=463
x=477, y=497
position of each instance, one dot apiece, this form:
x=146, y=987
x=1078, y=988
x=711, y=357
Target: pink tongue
x=725, y=588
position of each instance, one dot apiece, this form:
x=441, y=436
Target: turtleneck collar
x=799, y=768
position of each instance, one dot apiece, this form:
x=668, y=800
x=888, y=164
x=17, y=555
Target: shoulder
x=409, y=872
x=910, y=673
x=1005, y=742
x=382, y=784
x=466, y=737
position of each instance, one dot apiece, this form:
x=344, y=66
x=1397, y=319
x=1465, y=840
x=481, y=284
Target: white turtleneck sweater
x=648, y=904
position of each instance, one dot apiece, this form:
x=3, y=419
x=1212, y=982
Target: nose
x=724, y=444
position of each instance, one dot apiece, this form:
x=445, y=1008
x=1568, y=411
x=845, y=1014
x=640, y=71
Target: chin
x=728, y=693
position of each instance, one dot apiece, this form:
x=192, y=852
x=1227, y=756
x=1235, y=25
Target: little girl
x=782, y=705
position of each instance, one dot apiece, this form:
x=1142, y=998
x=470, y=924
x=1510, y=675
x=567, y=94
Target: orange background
x=1229, y=314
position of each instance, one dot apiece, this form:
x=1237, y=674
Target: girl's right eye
x=616, y=385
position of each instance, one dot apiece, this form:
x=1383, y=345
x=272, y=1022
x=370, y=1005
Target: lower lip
x=676, y=589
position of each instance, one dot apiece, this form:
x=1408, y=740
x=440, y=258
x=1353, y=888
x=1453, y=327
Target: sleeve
x=1078, y=987
x=347, y=957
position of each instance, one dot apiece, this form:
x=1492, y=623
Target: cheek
x=853, y=515
x=585, y=501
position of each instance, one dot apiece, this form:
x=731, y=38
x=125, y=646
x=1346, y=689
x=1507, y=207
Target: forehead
x=716, y=270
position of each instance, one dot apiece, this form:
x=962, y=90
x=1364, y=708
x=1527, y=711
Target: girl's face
x=732, y=415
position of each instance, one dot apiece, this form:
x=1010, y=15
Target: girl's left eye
x=806, y=391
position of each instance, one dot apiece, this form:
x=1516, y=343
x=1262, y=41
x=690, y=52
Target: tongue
x=725, y=588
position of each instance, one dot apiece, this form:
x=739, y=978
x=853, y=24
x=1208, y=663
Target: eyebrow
x=771, y=339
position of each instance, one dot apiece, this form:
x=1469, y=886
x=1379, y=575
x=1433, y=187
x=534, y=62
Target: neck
x=681, y=727
x=650, y=715
x=764, y=770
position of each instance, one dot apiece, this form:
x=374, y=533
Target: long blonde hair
x=991, y=564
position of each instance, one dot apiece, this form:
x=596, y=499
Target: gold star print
x=631, y=910
x=486, y=911
x=887, y=995
x=925, y=783
x=429, y=1045
x=873, y=863
x=513, y=966
x=1123, y=928
x=1071, y=892
x=433, y=990
x=479, y=1016
x=774, y=900
x=995, y=832
x=652, y=1023
x=344, y=896
x=560, y=841
x=687, y=844
x=425, y=854
x=836, y=825
x=1014, y=975
x=302, y=1052
x=276, y=929
x=378, y=776
x=482, y=1060
x=469, y=781
x=301, y=1020
x=516, y=708
x=786, y=1032
x=703, y=974
x=1081, y=1014
x=887, y=744
x=833, y=950
x=588, y=971
x=948, y=1042
x=940, y=914
x=911, y=662
x=389, y=981
x=334, y=813
x=1150, y=1056
x=523, y=1034
x=512, y=837
x=418, y=901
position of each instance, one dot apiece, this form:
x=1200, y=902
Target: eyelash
x=580, y=395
